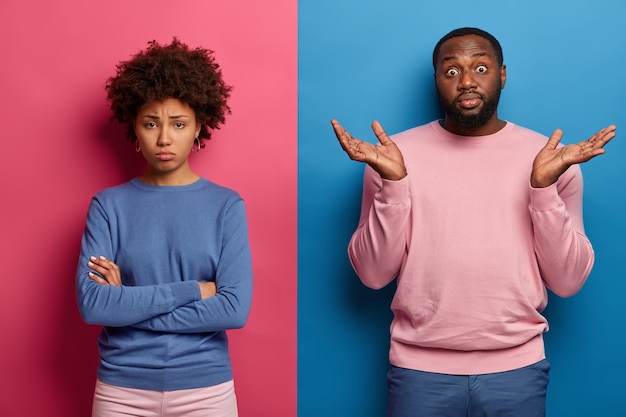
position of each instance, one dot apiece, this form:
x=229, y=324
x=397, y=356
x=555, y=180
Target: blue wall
x=361, y=60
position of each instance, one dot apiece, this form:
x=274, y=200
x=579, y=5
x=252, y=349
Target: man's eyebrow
x=479, y=54
x=474, y=55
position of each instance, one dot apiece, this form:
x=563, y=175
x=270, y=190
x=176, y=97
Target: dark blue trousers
x=517, y=393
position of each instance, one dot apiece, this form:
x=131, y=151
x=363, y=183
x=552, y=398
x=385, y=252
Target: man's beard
x=472, y=121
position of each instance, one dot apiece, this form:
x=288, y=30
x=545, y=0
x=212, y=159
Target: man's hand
x=108, y=270
x=551, y=161
x=385, y=158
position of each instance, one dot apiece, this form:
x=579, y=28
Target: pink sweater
x=473, y=247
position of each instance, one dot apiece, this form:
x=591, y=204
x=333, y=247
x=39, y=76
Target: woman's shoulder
x=217, y=196
x=219, y=189
x=202, y=191
x=116, y=190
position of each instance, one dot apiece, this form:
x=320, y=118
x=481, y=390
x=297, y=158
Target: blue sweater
x=158, y=333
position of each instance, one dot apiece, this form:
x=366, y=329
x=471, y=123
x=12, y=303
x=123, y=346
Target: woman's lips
x=165, y=156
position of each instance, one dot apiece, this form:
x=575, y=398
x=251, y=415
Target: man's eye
x=452, y=72
x=481, y=69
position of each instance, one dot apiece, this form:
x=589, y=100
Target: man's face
x=468, y=81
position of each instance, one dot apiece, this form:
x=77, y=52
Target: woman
x=165, y=262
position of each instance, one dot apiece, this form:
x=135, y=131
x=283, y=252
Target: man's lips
x=469, y=100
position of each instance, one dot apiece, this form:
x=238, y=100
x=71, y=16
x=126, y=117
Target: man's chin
x=469, y=112
x=470, y=121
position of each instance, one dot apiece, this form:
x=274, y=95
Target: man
x=475, y=216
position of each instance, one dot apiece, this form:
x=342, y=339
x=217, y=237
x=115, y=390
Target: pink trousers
x=215, y=401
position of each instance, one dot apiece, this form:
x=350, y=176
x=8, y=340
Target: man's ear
x=503, y=74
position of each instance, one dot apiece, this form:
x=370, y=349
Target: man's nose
x=467, y=81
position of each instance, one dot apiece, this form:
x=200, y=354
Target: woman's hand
x=107, y=271
x=207, y=289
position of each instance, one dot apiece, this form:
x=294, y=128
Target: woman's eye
x=150, y=125
x=179, y=125
x=481, y=69
x=452, y=72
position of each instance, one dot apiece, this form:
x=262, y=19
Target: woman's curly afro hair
x=170, y=71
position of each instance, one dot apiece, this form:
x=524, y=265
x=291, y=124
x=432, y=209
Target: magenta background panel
x=59, y=148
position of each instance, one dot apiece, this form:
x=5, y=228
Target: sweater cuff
x=185, y=292
x=394, y=192
x=544, y=199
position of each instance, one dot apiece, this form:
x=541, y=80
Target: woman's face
x=165, y=133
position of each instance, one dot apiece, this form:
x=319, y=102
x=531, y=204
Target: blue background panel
x=366, y=60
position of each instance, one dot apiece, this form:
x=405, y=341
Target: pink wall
x=60, y=148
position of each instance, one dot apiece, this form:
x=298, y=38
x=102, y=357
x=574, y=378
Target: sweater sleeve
x=118, y=306
x=230, y=307
x=564, y=253
x=379, y=245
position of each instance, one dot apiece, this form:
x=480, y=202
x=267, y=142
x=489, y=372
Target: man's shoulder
x=525, y=132
x=425, y=129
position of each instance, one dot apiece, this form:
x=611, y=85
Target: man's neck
x=492, y=126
